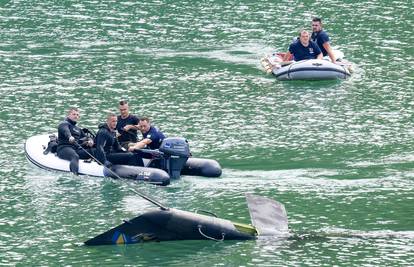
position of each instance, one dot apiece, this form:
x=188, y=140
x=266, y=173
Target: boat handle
x=207, y=212
x=209, y=237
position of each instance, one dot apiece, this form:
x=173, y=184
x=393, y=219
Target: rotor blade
x=268, y=216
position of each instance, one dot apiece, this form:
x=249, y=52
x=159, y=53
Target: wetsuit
x=130, y=136
x=109, y=151
x=320, y=38
x=72, y=152
x=301, y=52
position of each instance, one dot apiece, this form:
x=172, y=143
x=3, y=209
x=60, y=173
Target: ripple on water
x=337, y=154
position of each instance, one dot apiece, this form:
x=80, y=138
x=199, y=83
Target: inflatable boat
x=169, y=162
x=311, y=69
x=268, y=217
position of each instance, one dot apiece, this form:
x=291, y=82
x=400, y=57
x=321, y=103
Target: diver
x=73, y=143
x=127, y=125
x=108, y=149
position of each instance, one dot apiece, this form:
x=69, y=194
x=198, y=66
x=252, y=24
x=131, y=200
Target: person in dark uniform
x=71, y=139
x=108, y=149
x=303, y=48
x=320, y=37
x=152, y=137
x=127, y=125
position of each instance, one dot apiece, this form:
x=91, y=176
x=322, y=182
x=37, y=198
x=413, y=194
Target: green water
x=338, y=154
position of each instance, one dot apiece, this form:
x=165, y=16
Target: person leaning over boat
x=320, y=37
x=108, y=149
x=70, y=140
x=303, y=48
x=152, y=137
x=127, y=125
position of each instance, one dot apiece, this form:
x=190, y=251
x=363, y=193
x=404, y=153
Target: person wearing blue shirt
x=152, y=137
x=320, y=37
x=108, y=149
x=303, y=48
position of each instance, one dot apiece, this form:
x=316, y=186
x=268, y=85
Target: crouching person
x=108, y=149
x=73, y=144
x=152, y=137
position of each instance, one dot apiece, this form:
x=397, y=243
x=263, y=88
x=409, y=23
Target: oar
x=153, y=201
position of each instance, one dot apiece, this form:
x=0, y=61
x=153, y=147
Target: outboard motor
x=176, y=152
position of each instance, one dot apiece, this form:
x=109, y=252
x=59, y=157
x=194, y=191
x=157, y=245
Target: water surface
x=338, y=154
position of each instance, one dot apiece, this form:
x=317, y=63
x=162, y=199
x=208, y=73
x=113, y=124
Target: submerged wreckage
x=268, y=217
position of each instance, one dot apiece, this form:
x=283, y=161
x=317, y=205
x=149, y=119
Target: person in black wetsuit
x=127, y=125
x=108, y=149
x=70, y=140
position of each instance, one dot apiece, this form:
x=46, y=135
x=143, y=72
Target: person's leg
x=125, y=144
x=83, y=155
x=68, y=153
x=125, y=158
x=135, y=160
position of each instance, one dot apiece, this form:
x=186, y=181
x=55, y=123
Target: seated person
x=152, y=137
x=303, y=48
x=108, y=149
x=127, y=125
x=321, y=38
x=73, y=144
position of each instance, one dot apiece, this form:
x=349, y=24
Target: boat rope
x=153, y=201
x=209, y=237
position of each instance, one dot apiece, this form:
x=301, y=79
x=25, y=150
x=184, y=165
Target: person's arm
x=134, y=124
x=90, y=142
x=131, y=126
x=100, y=144
x=287, y=56
x=317, y=50
x=141, y=144
x=117, y=147
x=319, y=56
x=64, y=131
x=328, y=49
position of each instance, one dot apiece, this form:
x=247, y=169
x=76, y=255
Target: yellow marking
x=246, y=228
x=120, y=240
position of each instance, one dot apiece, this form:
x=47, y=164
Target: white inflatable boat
x=311, y=69
x=169, y=162
x=36, y=145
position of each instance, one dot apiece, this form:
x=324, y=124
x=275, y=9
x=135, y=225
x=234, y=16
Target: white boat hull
x=35, y=145
x=34, y=148
x=312, y=69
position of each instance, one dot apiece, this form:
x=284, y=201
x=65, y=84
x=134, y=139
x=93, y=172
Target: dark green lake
x=338, y=154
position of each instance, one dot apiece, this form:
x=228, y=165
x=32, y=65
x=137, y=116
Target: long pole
x=153, y=201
